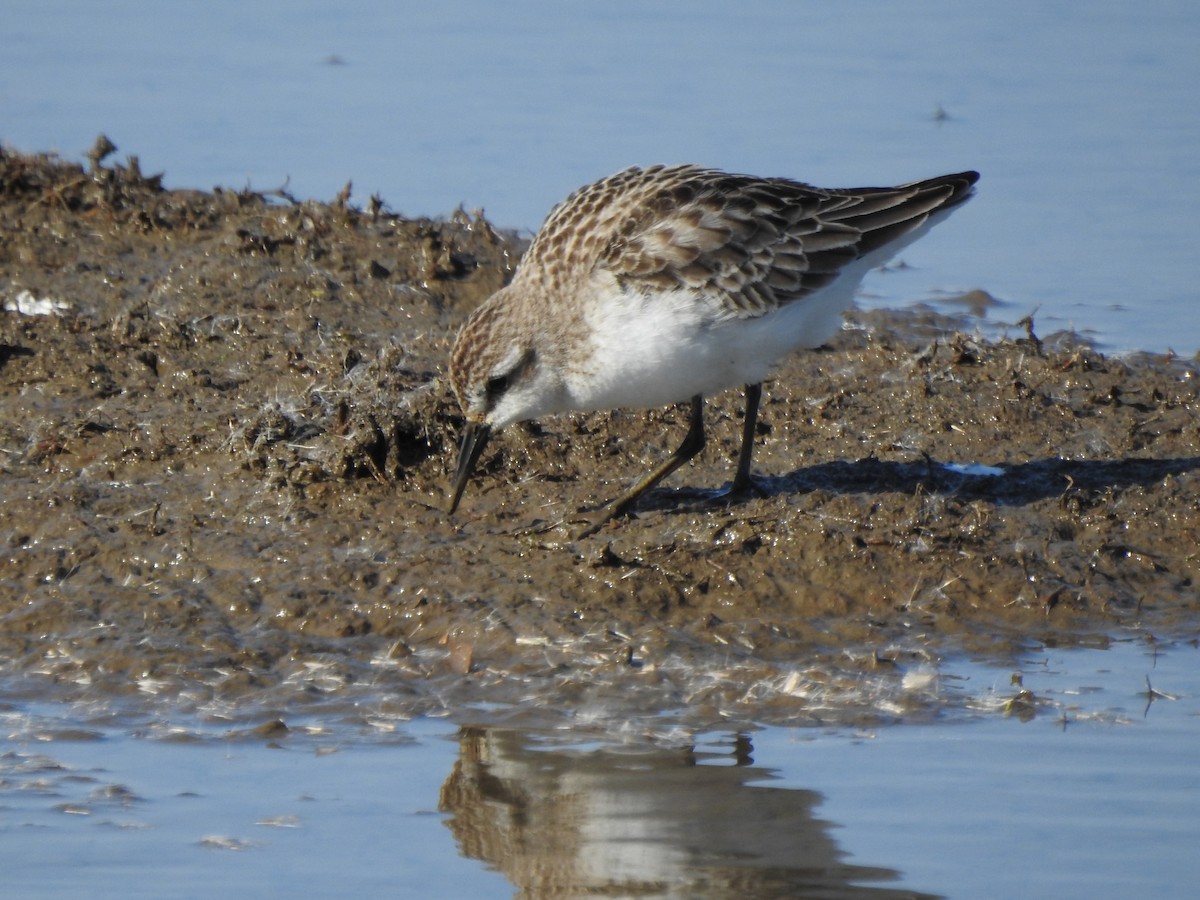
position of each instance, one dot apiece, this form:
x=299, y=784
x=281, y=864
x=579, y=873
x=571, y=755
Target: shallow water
x=1080, y=781
x=1082, y=124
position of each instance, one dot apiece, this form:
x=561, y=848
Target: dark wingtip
x=963, y=184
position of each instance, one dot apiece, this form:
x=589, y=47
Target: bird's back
x=757, y=243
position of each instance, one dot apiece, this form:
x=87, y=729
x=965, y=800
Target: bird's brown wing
x=753, y=243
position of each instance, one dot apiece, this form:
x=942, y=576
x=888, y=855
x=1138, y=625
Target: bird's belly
x=647, y=352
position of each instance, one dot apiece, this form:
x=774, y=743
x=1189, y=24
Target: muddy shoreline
x=226, y=432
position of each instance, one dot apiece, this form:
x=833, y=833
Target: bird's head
x=499, y=377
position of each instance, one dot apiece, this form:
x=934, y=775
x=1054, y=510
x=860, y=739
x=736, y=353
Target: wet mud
x=226, y=434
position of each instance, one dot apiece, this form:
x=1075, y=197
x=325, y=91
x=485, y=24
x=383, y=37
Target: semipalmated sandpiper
x=659, y=285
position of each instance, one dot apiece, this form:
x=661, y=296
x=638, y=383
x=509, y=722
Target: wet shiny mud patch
x=226, y=431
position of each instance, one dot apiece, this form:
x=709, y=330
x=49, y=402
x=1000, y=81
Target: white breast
x=655, y=350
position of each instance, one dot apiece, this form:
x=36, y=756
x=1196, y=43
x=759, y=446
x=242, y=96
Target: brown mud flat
x=224, y=459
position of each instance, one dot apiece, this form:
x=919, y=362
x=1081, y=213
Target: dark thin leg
x=742, y=481
x=693, y=443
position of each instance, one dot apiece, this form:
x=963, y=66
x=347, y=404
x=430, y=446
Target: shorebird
x=665, y=284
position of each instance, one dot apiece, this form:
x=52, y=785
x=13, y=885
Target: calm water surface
x=1083, y=120
x=1081, y=781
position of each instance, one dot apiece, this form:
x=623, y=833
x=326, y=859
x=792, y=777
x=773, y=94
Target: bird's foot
x=603, y=516
x=746, y=486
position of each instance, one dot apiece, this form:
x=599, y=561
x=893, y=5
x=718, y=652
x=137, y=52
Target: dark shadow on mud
x=1017, y=485
x=1022, y=483
x=12, y=351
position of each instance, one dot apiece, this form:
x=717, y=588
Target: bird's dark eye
x=495, y=387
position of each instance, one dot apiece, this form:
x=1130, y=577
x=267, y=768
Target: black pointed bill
x=474, y=439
